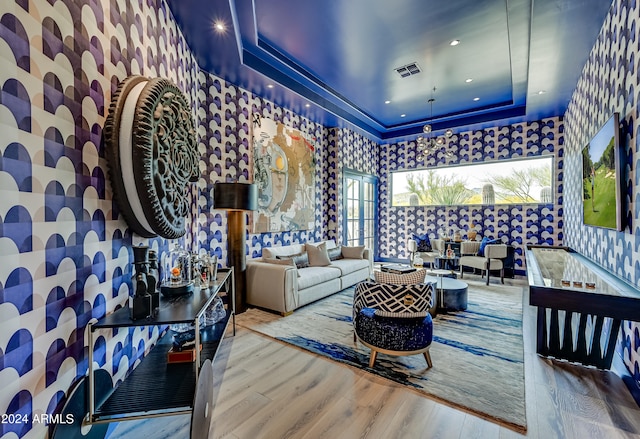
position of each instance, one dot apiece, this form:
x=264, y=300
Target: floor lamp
x=236, y=198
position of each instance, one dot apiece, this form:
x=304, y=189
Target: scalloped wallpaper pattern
x=65, y=255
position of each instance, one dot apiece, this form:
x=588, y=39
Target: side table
x=439, y=290
x=447, y=263
x=452, y=293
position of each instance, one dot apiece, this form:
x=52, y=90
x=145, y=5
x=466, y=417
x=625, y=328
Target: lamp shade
x=235, y=196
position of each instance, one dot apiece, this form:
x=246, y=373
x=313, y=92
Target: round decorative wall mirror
x=153, y=155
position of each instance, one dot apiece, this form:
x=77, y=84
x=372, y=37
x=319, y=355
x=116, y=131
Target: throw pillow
x=282, y=261
x=353, y=252
x=335, y=253
x=415, y=277
x=393, y=300
x=318, y=256
x=424, y=245
x=267, y=254
x=300, y=259
x=405, y=302
x=485, y=242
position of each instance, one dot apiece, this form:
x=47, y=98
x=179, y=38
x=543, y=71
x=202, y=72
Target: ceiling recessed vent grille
x=408, y=70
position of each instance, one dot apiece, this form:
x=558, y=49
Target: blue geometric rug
x=478, y=357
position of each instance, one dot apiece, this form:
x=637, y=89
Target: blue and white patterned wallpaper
x=225, y=143
x=354, y=152
x=609, y=83
x=64, y=250
x=517, y=225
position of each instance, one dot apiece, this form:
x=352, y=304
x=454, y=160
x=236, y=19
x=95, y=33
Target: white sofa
x=284, y=288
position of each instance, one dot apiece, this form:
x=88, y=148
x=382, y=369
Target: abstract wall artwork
x=284, y=171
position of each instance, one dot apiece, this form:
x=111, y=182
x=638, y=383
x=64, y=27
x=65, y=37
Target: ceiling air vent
x=408, y=70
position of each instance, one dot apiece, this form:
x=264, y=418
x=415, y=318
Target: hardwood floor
x=266, y=389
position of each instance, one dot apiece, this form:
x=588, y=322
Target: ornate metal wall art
x=153, y=155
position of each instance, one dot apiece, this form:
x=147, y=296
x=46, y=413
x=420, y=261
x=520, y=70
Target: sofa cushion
x=329, y=243
x=318, y=256
x=300, y=260
x=286, y=250
x=335, y=253
x=348, y=266
x=416, y=277
x=311, y=276
x=282, y=261
x=353, y=252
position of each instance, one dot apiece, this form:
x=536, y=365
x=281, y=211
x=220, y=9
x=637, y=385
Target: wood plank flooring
x=266, y=389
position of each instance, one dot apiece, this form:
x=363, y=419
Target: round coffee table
x=451, y=293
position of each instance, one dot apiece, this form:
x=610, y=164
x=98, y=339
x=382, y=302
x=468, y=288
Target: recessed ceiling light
x=455, y=42
x=307, y=105
x=541, y=92
x=387, y=102
x=269, y=85
x=468, y=80
x=403, y=115
x=219, y=26
x=476, y=99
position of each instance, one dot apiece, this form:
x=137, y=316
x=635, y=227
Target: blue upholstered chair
x=394, y=319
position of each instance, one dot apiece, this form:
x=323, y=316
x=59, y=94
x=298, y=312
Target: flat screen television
x=602, y=178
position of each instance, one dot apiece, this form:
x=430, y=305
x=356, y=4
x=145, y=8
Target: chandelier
x=428, y=144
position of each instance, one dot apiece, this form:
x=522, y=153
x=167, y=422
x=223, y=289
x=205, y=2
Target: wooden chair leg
x=372, y=359
x=427, y=356
x=355, y=337
x=502, y=275
x=488, y=276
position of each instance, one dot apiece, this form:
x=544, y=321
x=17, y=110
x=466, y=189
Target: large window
x=520, y=181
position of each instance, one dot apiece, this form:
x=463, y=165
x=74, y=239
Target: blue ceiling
x=334, y=61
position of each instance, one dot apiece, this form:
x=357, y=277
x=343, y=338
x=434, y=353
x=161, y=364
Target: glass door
x=360, y=209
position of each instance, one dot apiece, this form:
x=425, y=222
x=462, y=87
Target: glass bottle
x=449, y=252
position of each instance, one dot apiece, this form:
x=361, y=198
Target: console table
x=155, y=388
x=580, y=305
